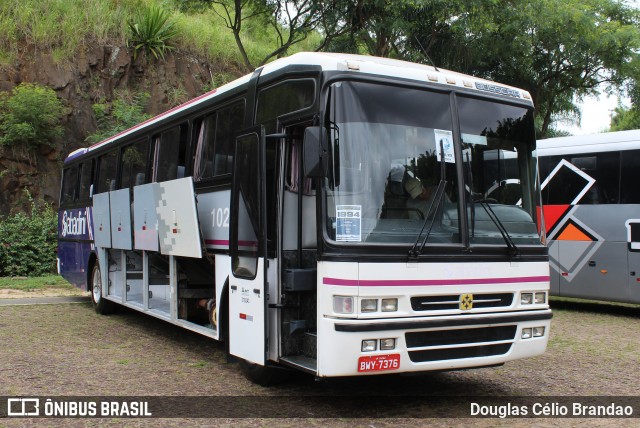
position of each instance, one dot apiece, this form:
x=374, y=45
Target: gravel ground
x=68, y=350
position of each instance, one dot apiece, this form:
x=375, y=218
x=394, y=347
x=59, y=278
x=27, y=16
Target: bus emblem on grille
x=466, y=302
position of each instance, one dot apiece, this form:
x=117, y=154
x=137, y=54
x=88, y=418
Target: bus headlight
x=526, y=298
x=526, y=333
x=343, y=304
x=369, y=305
x=387, y=344
x=540, y=298
x=389, y=305
x=538, y=331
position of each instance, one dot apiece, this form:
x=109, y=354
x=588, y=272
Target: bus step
x=302, y=362
x=310, y=344
x=296, y=326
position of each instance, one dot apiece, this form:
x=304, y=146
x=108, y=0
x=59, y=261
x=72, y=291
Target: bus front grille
x=452, y=344
x=452, y=302
x=458, y=353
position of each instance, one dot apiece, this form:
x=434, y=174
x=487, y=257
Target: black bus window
x=69, y=185
x=134, y=164
x=205, y=135
x=283, y=98
x=605, y=169
x=86, y=179
x=107, y=172
x=630, y=177
x=229, y=122
x=171, y=147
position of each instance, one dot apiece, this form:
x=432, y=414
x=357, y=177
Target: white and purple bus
x=328, y=213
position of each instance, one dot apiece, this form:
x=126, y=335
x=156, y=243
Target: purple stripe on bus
x=431, y=282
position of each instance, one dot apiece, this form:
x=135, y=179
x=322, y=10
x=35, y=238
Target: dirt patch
x=47, y=292
x=66, y=350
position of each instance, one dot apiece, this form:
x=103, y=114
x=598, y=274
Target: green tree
x=30, y=115
x=625, y=119
x=558, y=50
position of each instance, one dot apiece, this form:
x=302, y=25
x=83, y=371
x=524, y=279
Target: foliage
x=30, y=116
x=28, y=242
x=124, y=112
x=152, y=30
x=625, y=119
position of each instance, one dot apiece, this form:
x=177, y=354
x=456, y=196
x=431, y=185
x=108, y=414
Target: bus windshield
x=393, y=168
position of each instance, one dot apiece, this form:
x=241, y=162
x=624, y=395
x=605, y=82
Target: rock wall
x=94, y=75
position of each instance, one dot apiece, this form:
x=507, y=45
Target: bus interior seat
x=139, y=179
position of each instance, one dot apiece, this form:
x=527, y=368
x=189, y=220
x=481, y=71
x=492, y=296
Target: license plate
x=377, y=363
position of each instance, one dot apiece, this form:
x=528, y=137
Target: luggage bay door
x=247, y=284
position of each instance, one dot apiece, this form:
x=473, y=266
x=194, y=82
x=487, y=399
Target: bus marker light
x=604, y=271
x=389, y=305
x=369, y=345
x=565, y=273
x=343, y=304
x=527, y=333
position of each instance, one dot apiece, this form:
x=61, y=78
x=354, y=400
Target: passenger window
x=86, y=179
x=630, y=177
x=604, y=168
x=215, y=133
x=283, y=98
x=107, y=172
x=69, y=184
x=170, y=154
x=134, y=164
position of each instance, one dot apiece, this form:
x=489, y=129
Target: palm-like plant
x=151, y=30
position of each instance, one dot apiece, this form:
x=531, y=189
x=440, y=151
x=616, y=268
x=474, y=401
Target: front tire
x=100, y=304
x=264, y=375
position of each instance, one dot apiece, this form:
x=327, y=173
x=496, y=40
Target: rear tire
x=100, y=304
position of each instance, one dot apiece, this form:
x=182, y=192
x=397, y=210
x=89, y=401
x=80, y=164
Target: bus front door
x=247, y=285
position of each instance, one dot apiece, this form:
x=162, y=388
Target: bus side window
x=215, y=141
x=170, y=154
x=630, y=177
x=69, y=185
x=229, y=122
x=107, y=172
x=86, y=179
x=134, y=164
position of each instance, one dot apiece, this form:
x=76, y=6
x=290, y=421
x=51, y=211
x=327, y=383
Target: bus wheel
x=102, y=306
x=264, y=375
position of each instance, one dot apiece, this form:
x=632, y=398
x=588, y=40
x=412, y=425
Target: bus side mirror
x=315, y=151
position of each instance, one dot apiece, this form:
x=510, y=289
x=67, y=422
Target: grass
x=36, y=283
x=61, y=27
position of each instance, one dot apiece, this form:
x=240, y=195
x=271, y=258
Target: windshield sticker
x=348, y=226
x=444, y=139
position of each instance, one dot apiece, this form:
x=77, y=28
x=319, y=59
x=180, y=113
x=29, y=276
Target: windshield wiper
x=513, y=250
x=437, y=200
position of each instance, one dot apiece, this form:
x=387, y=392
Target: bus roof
x=593, y=143
x=335, y=62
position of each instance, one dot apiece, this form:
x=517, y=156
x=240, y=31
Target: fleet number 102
x=220, y=217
